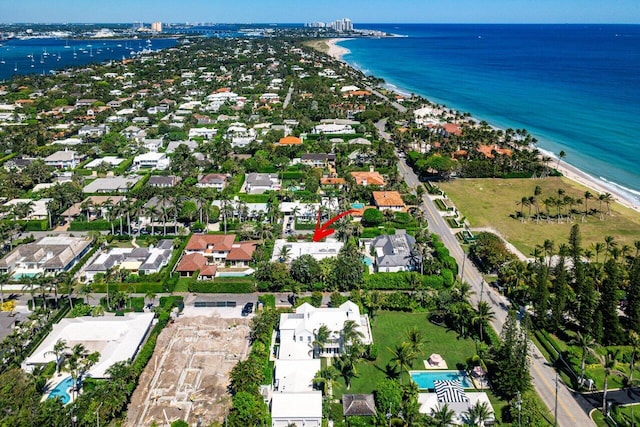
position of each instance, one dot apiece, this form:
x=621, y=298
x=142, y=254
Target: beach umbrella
x=478, y=371
x=435, y=359
x=450, y=391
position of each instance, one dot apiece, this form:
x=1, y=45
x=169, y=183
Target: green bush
x=268, y=300
x=217, y=287
x=293, y=175
x=123, y=167
x=36, y=225
x=97, y=225
x=80, y=310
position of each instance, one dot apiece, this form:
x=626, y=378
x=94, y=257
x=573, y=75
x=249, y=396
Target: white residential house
x=213, y=180
x=258, y=183
x=66, y=159
x=153, y=145
x=206, y=133
x=296, y=409
x=152, y=160
x=93, y=131
x=297, y=330
x=334, y=128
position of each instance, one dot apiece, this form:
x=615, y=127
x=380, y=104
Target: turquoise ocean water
x=574, y=87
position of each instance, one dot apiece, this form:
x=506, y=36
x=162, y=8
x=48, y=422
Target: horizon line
x=306, y=22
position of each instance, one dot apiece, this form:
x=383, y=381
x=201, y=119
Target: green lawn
x=493, y=203
x=389, y=330
x=623, y=417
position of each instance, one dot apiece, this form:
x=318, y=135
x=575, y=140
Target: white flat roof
x=318, y=250
x=297, y=405
x=296, y=375
x=115, y=338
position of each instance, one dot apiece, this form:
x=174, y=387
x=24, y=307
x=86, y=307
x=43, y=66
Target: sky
x=299, y=11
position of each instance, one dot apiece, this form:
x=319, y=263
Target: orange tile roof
x=191, y=263
x=453, y=128
x=385, y=199
x=208, y=270
x=332, y=181
x=242, y=251
x=290, y=140
x=370, y=178
x=222, y=243
x=487, y=150
x=359, y=93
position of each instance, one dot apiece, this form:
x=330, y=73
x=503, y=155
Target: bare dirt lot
x=188, y=375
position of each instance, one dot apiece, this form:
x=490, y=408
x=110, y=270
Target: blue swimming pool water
x=367, y=261
x=61, y=390
x=357, y=205
x=18, y=276
x=425, y=379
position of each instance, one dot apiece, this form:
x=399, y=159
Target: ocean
x=42, y=55
x=573, y=87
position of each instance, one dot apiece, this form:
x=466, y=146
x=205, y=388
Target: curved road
x=570, y=413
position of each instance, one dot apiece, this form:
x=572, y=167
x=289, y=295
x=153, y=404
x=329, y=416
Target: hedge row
x=123, y=167
x=226, y=287
x=400, y=281
x=97, y=225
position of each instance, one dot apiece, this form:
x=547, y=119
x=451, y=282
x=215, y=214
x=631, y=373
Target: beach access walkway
x=570, y=412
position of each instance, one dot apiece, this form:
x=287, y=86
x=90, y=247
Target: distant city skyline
x=296, y=11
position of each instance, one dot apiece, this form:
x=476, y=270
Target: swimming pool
x=357, y=205
x=367, y=261
x=425, y=379
x=61, y=390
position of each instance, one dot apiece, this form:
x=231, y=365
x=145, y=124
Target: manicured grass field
x=495, y=203
x=389, y=330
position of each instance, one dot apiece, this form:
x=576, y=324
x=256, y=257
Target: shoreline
x=569, y=171
x=336, y=51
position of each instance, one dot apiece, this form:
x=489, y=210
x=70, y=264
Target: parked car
x=247, y=309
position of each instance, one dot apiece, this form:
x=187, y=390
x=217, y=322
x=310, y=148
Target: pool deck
x=431, y=366
x=56, y=379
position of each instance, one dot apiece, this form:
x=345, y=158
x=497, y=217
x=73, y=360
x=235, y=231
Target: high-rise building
x=342, y=25
x=156, y=27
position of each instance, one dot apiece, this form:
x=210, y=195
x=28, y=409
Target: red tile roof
x=242, y=251
x=387, y=199
x=290, y=140
x=370, y=178
x=191, y=262
x=200, y=242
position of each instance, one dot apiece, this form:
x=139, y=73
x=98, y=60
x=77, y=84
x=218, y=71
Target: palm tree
x=483, y=316
x=285, y=253
x=59, y=349
x=350, y=334
x=479, y=414
x=608, y=363
x=326, y=378
x=585, y=342
x=587, y=197
x=347, y=368
x=634, y=341
x=442, y=416
x=415, y=338
x=561, y=155
x=320, y=339
x=403, y=357
x=150, y=295
x=85, y=291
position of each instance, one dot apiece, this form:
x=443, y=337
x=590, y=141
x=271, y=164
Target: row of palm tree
x=563, y=205
x=77, y=360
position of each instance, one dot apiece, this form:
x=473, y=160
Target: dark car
x=247, y=309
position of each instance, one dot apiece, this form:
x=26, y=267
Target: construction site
x=188, y=375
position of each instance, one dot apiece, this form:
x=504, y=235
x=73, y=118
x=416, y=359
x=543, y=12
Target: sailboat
x=15, y=67
x=66, y=46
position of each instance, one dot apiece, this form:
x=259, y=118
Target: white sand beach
x=336, y=51
x=598, y=186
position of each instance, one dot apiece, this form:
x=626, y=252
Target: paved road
x=287, y=98
x=396, y=105
x=570, y=412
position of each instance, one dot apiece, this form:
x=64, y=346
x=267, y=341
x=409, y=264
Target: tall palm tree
x=442, y=416
x=403, y=357
x=483, y=316
x=58, y=350
x=586, y=343
x=350, y=334
x=285, y=254
x=479, y=414
x=320, y=339
x=608, y=363
x=415, y=338
x=326, y=378
x=587, y=196
x=345, y=364
x=634, y=341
